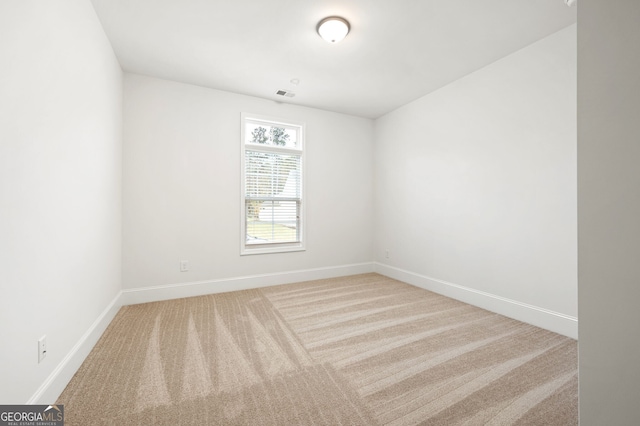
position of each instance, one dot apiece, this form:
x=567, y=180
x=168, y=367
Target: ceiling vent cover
x=285, y=93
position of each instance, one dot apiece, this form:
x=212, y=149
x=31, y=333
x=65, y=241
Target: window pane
x=272, y=175
x=266, y=134
x=272, y=221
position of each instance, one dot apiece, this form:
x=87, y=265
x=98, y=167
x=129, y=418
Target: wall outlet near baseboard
x=386, y=254
x=42, y=348
x=184, y=265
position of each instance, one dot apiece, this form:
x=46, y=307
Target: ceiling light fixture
x=333, y=29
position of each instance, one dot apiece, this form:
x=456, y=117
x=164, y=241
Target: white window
x=272, y=189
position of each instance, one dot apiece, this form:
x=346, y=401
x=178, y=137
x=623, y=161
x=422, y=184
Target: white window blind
x=272, y=185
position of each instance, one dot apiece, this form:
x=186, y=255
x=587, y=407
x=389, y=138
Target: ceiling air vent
x=285, y=93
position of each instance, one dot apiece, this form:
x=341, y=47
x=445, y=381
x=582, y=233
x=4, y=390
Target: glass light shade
x=333, y=29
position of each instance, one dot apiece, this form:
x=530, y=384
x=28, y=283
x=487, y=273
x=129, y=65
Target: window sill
x=262, y=249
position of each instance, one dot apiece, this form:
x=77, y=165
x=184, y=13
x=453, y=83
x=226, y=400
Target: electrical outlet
x=184, y=265
x=42, y=348
x=386, y=254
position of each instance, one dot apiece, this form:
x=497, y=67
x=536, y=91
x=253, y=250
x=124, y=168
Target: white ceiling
x=397, y=50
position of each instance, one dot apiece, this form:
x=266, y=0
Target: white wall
x=60, y=184
x=609, y=211
x=182, y=186
x=476, y=186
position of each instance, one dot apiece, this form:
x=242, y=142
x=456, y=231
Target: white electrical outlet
x=386, y=254
x=42, y=348
x=184, y=265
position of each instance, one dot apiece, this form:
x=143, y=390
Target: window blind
x=272, y=197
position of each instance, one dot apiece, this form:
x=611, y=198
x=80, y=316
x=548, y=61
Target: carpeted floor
x=360, y=350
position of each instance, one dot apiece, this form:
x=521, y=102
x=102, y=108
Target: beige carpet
x=361, y=350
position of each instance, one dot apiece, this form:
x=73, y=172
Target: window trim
x=251, y=249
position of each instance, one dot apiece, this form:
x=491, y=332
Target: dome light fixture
x=333, y=29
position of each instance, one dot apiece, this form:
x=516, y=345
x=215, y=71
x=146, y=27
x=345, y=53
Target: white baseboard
x=53, y=386
x=540, y=317
x=176, y=291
